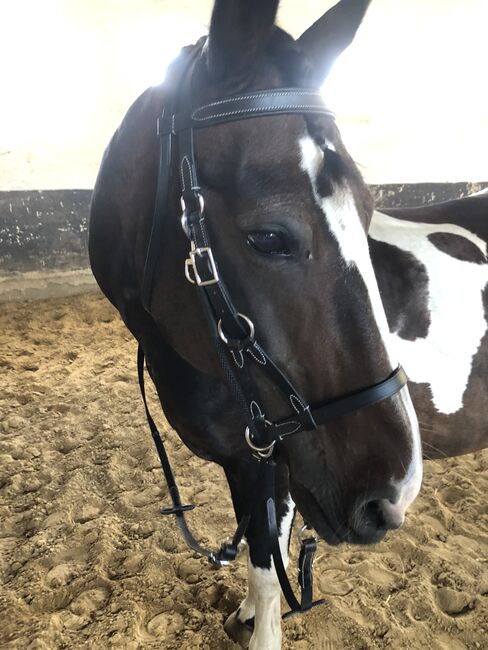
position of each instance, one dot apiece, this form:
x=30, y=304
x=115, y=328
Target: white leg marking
x=457, y=324
x=263, y=598
x=343, y=220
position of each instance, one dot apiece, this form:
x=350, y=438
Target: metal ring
x=264, y=452
x=248, y=322
x=200, y=201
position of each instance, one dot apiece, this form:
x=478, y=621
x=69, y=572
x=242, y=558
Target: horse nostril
x=382, y=514
x=373, y=517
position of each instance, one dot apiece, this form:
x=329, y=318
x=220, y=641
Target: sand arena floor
x=87, y=562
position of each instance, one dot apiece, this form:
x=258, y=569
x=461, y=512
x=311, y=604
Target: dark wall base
x=409, y=195
x=48, y=230
x=43, y=230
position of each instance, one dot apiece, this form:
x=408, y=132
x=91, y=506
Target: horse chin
x=331, y=530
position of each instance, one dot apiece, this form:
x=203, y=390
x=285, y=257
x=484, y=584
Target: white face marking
x=410, y=485
x=263, y=598
x=457, y=324
x=343, y=220
x=344, y=223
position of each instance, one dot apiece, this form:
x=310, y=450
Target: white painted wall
x=410, y=94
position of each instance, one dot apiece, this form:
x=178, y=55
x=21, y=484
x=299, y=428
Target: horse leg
x=257, y=622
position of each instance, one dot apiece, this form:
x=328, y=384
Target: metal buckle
x=190, y=262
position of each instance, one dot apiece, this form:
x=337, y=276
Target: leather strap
x=162, y=192
x=229, y=550
x=275, y=101
x=307, y=553
x=344, y=405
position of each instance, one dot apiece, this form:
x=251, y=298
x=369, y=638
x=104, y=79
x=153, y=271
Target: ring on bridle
x=249, y=323
x=201, y=204
x=263, y=452
x=233, y=333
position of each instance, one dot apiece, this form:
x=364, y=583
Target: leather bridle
x=234, y=334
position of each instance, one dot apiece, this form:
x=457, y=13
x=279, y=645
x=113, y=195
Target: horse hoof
x=240, y=633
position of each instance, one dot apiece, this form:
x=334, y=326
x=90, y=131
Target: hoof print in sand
x=453, y=602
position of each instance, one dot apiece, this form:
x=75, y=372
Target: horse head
x=287, y=211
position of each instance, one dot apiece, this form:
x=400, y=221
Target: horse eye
x=269, y=243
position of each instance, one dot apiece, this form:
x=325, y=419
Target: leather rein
x=233, y=333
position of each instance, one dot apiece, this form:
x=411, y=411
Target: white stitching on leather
x=239, y=365
x=261, y=361
x=182, y=174
x=297, y=399
x=284, y=424
x=255, y=404
x=240, y=98
x=201, y=222
x=296, y=107
x=185, y=159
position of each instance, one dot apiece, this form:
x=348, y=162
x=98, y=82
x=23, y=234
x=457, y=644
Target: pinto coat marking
x=442, y=359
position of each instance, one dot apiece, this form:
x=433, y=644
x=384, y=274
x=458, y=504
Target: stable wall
x=408, y=93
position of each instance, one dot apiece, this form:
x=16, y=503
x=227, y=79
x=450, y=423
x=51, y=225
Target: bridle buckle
x=191, y=262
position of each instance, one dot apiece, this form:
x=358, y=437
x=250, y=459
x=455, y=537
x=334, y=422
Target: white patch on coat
x=343, y=220
x=443, y=359
x=263, y=597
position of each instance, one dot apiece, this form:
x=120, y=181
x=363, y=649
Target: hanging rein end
x=176, y=510
x=303, y=610
x=308, y=547
x=226, y=554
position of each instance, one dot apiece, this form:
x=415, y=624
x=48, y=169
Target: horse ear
x=239, y=30
x=330, y=35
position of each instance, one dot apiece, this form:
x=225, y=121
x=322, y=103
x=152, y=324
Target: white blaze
x=344, y=223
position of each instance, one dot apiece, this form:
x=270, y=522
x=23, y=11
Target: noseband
x=234, y=334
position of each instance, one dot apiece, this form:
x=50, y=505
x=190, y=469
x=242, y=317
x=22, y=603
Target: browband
x=279, y=101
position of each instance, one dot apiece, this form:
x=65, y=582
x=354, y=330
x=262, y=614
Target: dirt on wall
x=87, y=562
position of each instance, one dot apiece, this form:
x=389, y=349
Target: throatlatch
x=234, y=333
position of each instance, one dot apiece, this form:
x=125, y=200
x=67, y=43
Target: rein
x=233, y=333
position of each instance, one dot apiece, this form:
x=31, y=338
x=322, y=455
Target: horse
x=432, y=269
x=280, y=212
